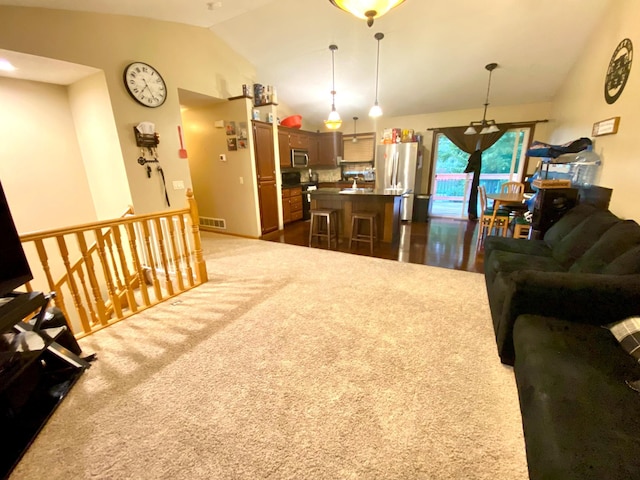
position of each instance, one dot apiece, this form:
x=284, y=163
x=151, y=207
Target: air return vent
x=219, y=223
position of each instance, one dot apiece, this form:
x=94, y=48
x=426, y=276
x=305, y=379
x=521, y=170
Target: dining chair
x=512, y=187
x=501, y=223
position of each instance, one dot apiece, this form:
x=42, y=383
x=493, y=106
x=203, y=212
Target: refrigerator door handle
x=394, y=174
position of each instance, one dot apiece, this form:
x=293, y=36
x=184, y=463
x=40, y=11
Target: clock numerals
x=145, y=84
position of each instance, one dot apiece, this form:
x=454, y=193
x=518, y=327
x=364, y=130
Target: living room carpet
x=294, y=363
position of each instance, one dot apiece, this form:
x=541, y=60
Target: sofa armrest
x=587, y=298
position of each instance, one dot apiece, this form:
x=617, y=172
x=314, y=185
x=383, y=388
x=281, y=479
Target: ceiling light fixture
x=6, y=66
x=354, y=139
x=486, y=126
x=334, y=121
x=366, y=9
x=376, y=111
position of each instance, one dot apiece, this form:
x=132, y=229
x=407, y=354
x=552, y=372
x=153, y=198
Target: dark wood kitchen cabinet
x=329, y=148
x=285, y=150
x=299, y=139
x=313, y=149
x=266, y=173
x=291, y=204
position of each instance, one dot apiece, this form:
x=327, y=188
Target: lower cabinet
x=291, y=204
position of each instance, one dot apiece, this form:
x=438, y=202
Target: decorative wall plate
x=618, y=71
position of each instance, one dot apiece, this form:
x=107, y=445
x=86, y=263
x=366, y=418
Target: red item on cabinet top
x=294, y=121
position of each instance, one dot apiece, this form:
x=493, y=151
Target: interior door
x=266, y=173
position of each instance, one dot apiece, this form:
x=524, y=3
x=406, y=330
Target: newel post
x=201, y=266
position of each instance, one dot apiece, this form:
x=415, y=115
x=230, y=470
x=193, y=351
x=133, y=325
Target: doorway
x=505, y=161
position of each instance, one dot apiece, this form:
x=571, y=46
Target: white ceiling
x=431, y=60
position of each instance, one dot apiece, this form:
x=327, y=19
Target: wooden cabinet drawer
x=295, y=191
x=297, y=215
x=296, y=203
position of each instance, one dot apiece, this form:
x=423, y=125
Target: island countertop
x=357, y=191
x=385, y=204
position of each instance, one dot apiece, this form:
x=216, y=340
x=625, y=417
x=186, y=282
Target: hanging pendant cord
x=333, y=79
x=377, y=70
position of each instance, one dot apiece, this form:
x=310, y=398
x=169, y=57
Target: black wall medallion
x=618, y=71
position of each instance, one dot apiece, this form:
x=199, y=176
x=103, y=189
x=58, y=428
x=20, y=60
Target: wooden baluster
x=75, y=295
x=114, y=264
x=176, y=254
x=201, y=266
x=44, y=261
x=163, y=255
x=93, y=281
x=115, y=299
x=133, y=305
x=185, y=249
x=136, y=263
x=92, y=313
x=154, y=277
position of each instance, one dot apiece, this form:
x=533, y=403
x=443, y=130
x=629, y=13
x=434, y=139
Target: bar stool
x=356, y=236
x=324, y=224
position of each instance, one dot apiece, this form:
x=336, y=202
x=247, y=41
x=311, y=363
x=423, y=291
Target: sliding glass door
x=503, y=162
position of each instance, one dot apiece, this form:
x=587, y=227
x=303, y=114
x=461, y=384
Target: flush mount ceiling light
x=366, y=9
x=376, y=111
x=334, y=121
x=486, y=126
x=354, y=139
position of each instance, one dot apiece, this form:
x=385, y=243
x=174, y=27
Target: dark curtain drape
x=474, y=145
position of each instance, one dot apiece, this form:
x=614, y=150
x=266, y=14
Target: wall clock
x=145, y=84
x=618, y=71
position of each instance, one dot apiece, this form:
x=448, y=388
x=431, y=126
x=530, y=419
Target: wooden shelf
x=240, y=96
x=264, y=104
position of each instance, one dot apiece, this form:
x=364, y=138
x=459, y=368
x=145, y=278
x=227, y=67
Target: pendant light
x=334, y=121
x=486, y=126
x=354, y=139
x=366, y=9
x=376, y=111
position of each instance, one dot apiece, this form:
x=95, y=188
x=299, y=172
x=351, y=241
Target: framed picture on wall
x=231, y=128
x=232, y=144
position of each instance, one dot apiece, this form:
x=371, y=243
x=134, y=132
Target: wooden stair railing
x=118, y=261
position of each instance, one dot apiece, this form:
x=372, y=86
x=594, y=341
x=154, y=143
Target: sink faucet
x=355, y=185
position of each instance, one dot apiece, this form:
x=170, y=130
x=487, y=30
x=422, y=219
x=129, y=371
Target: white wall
x=98, y=140
x=581, y=103
x=41, y=166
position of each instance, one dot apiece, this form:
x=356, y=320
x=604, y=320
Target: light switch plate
x=178, y=185
x=223, y=157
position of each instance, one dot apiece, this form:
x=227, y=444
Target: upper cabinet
x=299, y=139
x=283, y=146
x=329, y=149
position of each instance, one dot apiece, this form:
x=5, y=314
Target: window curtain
x=474, y=145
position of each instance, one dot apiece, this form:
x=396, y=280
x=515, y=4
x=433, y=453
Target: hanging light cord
x=377, y=65
x=333, y=78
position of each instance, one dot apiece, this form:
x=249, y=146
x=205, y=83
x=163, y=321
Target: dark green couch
x=550, y=300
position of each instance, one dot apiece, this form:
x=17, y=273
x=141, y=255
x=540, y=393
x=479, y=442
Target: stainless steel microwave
x=299, y=158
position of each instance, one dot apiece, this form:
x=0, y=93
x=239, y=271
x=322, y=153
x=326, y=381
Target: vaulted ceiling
x=432, y=58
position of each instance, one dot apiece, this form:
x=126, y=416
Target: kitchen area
x=352, y=173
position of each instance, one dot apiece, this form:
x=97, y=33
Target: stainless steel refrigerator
x=398, y=170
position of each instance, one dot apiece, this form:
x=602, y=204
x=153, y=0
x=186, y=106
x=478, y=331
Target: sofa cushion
x=627, y=332
x=567, y=223
x=626, y=264
x=620, y=238
x=582, y=237
x=507, y=262
x=580, y=419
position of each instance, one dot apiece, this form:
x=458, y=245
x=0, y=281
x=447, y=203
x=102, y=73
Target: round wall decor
x=618, y=71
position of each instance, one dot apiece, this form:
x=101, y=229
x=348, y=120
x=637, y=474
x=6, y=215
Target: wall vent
x=219, y=223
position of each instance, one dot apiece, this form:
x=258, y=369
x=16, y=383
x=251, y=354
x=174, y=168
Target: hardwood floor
x=440, y=242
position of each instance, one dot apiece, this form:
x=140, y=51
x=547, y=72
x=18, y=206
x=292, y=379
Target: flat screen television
x=14, y=268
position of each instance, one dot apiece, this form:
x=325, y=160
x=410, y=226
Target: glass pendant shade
x=470, y=131
x=334, y=121
x=366, y=9
x=375, y=111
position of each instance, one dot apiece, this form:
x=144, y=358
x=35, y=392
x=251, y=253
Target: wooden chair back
x=512, y=187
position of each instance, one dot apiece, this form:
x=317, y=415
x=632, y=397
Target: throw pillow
x=627, y=332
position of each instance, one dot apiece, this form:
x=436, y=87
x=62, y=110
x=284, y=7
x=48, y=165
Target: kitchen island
x=385, y=203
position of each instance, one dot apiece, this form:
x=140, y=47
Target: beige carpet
x=294, y=363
